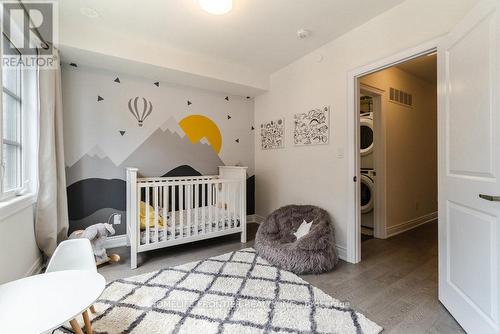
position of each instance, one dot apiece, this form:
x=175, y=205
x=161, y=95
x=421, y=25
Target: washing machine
x=366, y=143
x=367, y=195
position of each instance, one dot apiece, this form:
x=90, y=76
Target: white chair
x=74, y=254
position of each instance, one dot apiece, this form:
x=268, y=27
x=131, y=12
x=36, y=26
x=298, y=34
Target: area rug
x=237, y=292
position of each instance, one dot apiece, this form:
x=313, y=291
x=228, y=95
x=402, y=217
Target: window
x=11, y=128
x=18, y=121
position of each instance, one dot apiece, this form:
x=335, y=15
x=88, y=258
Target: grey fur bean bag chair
x=313, y=253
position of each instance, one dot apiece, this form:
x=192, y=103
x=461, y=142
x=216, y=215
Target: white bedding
x=224, y=219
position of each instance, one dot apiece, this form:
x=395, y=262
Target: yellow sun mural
x=197, y=127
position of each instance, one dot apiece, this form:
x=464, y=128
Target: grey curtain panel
x=51, y=224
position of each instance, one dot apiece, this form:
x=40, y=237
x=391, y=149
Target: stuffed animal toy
x=97, y=234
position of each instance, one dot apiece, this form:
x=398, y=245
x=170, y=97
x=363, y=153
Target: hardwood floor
x=395, y=284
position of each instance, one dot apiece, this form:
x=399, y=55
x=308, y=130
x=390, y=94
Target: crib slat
x=138, y=216
x=218, y=188
x=164, y=204
x=210, y=205
x=146, y=207
x=224, y=205
x=196, y=208
x=233, y=207
x=203, y=207
x=188, y=204
x=172, y=220
x=181, y=211
x=155, y=204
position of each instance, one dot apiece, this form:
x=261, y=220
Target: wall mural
x=155, y=131
x=272, y=134
x=140, y=110
x=198, y=127
x=312, y=128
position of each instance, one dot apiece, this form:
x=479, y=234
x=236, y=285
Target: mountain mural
x=97, y=187
x=94, y=200
x=89, y=195
x=162, y=151
x=100, y=216
x=93, y=166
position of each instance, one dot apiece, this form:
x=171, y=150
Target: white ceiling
x=424, y=67
x=259, y=35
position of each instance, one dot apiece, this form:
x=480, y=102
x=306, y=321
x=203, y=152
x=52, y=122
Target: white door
x=469, y=165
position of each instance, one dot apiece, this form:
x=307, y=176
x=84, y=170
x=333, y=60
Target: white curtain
x=51, y=225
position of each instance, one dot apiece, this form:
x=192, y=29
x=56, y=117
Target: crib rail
x=164, y=211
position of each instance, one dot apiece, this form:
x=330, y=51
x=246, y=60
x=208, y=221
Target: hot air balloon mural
x=140, y=108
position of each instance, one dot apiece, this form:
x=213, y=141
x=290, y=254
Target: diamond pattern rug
x=237, y=292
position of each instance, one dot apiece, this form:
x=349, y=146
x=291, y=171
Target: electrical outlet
x=117, y=219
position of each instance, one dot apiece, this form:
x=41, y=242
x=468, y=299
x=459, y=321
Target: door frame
x=353, y=190
x=379, y=207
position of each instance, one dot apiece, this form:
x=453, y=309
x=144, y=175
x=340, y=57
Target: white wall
x=20, y=255
x=102, y=137
x=319, y=175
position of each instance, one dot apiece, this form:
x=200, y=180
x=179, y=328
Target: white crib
x=178, y=210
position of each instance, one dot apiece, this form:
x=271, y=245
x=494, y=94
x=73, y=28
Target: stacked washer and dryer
x=367, y=165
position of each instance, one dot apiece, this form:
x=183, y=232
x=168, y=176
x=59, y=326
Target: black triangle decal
x=237, y=140
x=253, y=128
x=189, y=103
x=228, y=117
x=117, y=80
x=73, y=64
x=157, y=84
x=227, y=98
x=99, y=98
x=248, y=97
x=122, y=133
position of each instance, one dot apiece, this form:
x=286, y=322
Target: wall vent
x=401, y=97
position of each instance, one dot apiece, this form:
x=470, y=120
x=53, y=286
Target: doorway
x=356, y=90
x=398, y=147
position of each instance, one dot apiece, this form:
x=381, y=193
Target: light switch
x=117, y=219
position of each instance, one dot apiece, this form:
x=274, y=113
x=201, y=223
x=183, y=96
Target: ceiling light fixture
x=216, y=7
x=303, y=33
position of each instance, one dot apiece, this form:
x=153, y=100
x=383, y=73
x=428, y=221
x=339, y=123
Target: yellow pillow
x=151, y=216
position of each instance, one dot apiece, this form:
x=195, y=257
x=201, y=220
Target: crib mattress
x=196, y=225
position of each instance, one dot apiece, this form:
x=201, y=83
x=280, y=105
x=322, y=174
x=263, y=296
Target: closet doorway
x=396, y=151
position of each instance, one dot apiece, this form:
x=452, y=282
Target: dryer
x=367, y=194
x=366, y=139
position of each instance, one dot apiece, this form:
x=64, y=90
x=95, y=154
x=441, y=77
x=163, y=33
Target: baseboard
x=36, y=267
x=411, y=224
x=341, y=252
x=116, y=241
x=255, y=219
